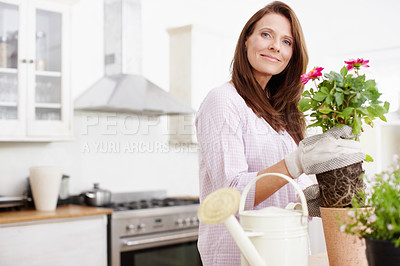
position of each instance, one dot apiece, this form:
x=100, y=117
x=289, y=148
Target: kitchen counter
x=68, y=211
x=320, y=259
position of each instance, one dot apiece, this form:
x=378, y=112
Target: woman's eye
x=287, y=42
x=266, y=34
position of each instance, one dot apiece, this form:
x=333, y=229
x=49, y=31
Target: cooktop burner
x=151, y=203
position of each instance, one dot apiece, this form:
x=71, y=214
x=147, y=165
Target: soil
x=337, y=187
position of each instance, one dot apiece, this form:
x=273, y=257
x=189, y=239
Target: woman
x=251, y=125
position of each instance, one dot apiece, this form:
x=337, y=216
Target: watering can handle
x=290, y=180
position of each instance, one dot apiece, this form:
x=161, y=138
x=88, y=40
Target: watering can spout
x=220, y=206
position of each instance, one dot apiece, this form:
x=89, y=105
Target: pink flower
x=353, y=63
x=313, y=74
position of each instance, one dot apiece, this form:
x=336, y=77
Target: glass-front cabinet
x=35, y=101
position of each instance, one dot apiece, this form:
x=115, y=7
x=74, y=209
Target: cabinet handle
x=31, y=61
x=23, y=61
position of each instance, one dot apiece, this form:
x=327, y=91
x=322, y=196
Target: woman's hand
x=324, y=152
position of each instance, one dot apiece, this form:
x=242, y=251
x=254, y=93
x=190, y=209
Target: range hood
x=123, y=89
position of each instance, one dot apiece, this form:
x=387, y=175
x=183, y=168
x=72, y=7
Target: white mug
x=45, y=185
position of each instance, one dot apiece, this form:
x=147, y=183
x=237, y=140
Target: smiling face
x=269, y=47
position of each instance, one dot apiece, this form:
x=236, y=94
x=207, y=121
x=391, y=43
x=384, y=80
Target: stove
x=149, y=228
x=151, y=203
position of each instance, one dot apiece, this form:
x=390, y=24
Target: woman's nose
x=274, y=45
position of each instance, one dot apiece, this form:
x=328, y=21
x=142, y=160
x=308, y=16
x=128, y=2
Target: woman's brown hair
x=277, y=103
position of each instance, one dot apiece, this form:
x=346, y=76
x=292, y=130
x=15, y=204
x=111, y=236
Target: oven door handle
x=130, y=243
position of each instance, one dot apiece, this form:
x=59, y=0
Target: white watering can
x=268, y=237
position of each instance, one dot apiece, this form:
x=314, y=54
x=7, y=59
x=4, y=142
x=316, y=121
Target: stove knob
x=130, y=227
x=179, y=222
x=187, y=221
x=195, y=220
x=141, y=227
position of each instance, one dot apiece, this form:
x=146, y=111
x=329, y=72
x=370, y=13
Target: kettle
x=268, y=237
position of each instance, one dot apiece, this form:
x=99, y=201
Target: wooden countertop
x=68, y=211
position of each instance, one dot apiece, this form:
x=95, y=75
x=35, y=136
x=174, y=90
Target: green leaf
x=369, y=84
x=340, y=116
x=329, y=76
x=339, y=98
x=383, y=118
x=337, y=76
x=319, y=96
x=316, y=124
x=347, y=112
x=306, y=94
x=368, y=158
x=304, y=104
x=343, y=71
x=380, y=110
x=325, y=110
x=362, y=110
x=372, y=94
x=368, y=121
x=357, y=125
x=387, y=105
x=329, y=99
x=372, y=112
x=324, y=90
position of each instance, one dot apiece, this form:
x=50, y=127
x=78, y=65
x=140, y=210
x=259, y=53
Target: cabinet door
x=60, y=242
x=48, y=101
x=12, y=96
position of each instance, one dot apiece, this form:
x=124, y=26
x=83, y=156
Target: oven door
x=178, y=248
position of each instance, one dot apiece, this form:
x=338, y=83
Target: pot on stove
x=97, y=196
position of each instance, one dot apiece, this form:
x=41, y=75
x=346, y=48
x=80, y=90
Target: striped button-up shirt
x=235, y=145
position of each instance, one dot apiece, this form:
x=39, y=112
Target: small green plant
x=381, y=218
x=342, y=98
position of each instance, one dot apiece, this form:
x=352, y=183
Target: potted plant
x=344, y=98
x=339, y=99
x=379, y=224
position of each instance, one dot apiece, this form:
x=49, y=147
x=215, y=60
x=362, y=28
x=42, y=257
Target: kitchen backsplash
x=121, y=152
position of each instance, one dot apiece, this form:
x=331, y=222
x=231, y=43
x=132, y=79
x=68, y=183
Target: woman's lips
x=270, y=58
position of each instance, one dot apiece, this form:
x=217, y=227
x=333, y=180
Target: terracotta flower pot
x=337, y=187
x=382, y=252
x=343, y=249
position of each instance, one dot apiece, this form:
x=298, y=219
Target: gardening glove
x=313, y=199
x=325, y=152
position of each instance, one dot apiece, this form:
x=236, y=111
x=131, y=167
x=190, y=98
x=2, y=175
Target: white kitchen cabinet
x=35, y=98
x=62, y=242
